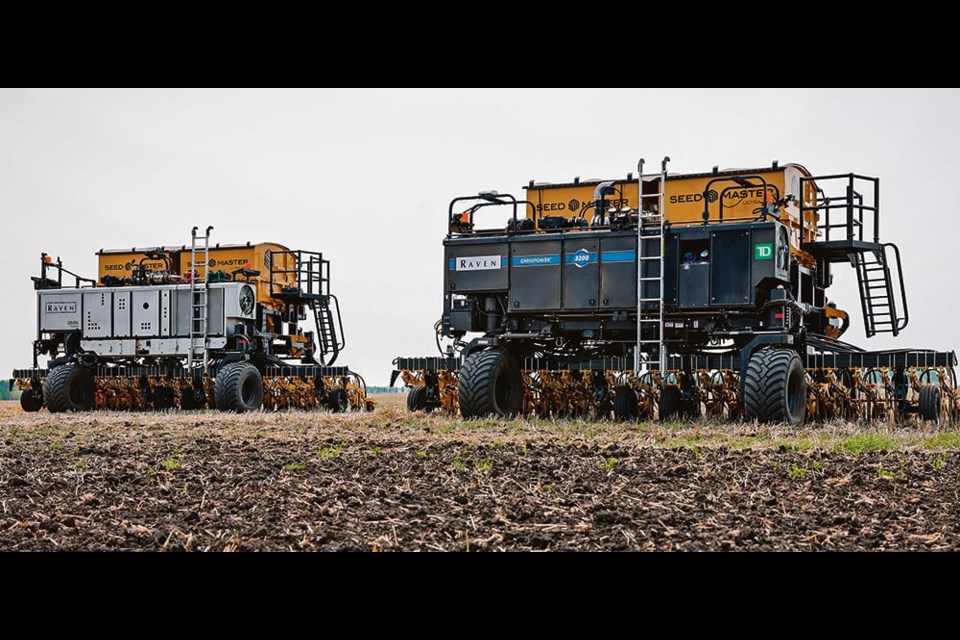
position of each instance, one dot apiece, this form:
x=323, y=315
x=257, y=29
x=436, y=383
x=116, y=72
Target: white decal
x=477, y=263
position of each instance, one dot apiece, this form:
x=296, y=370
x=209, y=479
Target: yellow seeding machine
x=192, y=326
x=675, y=295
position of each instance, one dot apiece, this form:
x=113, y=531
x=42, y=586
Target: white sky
x=366, y=175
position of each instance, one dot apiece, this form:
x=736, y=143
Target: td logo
x=763, y=251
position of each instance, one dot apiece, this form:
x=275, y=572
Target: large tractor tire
x=69, y=388
x=929, y=404
x=339, y=400
x=30, y=402
x=775, y=387
x=490, y=385
x=417, y=398
x=238, y=387
x=625, y=403
x=191, y=398
x=163, y=398
x=671, y=400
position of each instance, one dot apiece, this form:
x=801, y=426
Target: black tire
x=671, y=399
x=191, y=399
x=775, y=387
x=625, y=403
x=69, y=388
x=29, y=402
x=163, y=398
x=339, y=401
x=490, y=384
x=239, y=388
x=417, y=398
x=929, y=405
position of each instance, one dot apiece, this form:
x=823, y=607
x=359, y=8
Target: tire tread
x=765, y=385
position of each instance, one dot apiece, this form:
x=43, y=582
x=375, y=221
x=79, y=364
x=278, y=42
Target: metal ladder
x=328, y=341
x=199, y=289
x=650, y=320
x=877, y=297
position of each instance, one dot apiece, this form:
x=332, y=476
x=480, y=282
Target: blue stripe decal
x=452, y=264
x=619, y=256
x=581, y=258
x=536, y=261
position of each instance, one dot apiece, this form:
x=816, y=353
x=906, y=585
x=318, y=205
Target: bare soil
x=395, y=481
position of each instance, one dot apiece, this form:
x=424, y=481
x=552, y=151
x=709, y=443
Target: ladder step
x=649, y=257
x=653, y=279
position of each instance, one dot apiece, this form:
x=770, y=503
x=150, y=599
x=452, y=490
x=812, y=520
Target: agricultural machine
x=670, y=296
x=190, y=327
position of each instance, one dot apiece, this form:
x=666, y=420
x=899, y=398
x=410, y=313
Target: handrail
x=736, y=179
x=852, y=201
x=47, y=263
x=316, y=280
x=336, y=311
x=490, y=199
x=901, y=322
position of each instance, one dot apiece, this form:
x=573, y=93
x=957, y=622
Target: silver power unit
x=124, y=322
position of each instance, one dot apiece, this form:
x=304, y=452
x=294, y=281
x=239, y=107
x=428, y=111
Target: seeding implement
x=665, y=295
x=190, y=327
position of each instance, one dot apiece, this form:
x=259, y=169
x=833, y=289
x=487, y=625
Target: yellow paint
x=685, y=198
x=226, y=258
x=833, y=312
x=122, y=264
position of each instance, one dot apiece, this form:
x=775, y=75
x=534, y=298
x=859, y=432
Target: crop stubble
x=395, y=481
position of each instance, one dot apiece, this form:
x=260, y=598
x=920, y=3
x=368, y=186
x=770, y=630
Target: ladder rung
x=651, y=279
x=649, y=257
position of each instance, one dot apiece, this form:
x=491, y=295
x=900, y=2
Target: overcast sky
x=366, y=175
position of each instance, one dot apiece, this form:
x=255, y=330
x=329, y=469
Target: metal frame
x=778, y=319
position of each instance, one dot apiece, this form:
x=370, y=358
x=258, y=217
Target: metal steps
x=199, y=298
x=329, y=343
x=649, y=354
x=877, y=293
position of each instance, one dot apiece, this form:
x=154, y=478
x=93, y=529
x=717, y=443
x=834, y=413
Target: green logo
x=763, y=251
